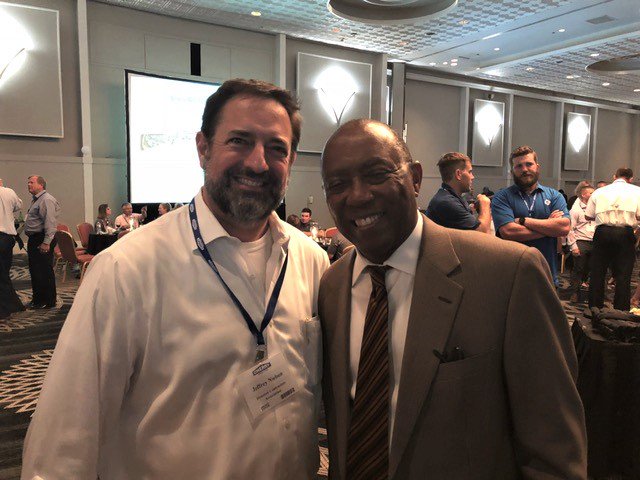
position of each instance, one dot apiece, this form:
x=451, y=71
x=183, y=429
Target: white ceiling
x=532, y=52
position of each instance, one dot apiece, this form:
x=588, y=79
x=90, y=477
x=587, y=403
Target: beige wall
x=616, y=144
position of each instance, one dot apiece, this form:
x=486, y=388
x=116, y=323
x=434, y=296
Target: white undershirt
x=399, y=282
x=256, y=254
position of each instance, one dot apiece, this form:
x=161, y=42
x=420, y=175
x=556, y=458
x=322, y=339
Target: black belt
x=29, y=234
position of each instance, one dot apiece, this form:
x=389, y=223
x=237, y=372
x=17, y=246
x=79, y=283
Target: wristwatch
x=521, y=220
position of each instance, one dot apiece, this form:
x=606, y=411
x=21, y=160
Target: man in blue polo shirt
x=447, y=208
x=528, y=212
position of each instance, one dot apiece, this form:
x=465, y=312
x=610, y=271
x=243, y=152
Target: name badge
x=267, y=384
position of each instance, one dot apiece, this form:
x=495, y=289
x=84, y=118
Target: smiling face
x=247, y=162
x=127, y=209
x=370, y=189
x=525, y=171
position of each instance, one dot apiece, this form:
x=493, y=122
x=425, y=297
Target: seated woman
x=103, y=225
x=164, y=208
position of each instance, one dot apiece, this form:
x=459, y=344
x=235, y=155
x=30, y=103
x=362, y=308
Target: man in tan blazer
x=480, y=364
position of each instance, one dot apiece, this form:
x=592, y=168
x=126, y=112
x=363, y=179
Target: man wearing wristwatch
x=528, y=212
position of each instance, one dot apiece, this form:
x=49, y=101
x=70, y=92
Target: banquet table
x=609, y=386
x=99, y=242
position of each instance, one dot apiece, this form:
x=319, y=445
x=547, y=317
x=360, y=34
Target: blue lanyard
x=533, y=203
x=261, y=350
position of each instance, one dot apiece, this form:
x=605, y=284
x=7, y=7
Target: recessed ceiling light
x=594, y=55
x=335, y=29
x=402, y=43
x=445, y=63
x=432, y=64
x=454, y=60
x=530, y=69
x=256, y=13
x=453, y=64
x=576, y=76
x=606, y=84
x=493, y=35
x=636, y=89
x=497, y=49
x=464, y=21
x=570, y=77
x=477, y=68
x=562, y=30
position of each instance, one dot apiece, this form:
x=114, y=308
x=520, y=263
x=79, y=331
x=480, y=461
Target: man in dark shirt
x=447, y=208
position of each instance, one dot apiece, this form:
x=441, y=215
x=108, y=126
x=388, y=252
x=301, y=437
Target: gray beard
x=244, y=206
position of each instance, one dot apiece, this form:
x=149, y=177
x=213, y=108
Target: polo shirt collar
x=211, y=229
x=450, y=189
x=537, y=189
x=405, y=258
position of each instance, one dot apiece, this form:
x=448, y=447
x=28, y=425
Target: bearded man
x=529, y=212
x=192, y=347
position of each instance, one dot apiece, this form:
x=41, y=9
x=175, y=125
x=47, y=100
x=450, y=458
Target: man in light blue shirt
x=531, y=213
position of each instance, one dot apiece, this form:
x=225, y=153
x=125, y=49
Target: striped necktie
x=368, y=444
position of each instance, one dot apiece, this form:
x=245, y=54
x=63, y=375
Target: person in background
x=615, y=209
x=447, y=354
x=601, y=183
x=294, y=220
x=580, y=238
x=164, y=208
x=150, y=381
x=447, y=207
x=305, y=219
x=529, y=212
x=40, y=226
x=103, y=224
x=10, y=205
x=128, y=218
x=337, y=246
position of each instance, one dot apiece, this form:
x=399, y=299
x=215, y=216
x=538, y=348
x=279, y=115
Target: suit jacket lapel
x=339, y=316
x=433, y=308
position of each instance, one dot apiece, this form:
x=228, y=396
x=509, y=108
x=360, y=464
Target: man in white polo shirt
x=616, y=209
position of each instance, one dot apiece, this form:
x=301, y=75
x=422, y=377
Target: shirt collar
x=450, y=189
x=618, y=180
x=35, y=197
x=533, y=192
x=211, y=229
x=405, y=258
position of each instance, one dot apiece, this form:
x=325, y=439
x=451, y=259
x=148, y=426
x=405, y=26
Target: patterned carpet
x=27, y=340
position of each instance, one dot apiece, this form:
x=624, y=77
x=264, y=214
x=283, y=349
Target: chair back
x=330, y=232
x=63, y=227
x=67, y=246
x=84, y=229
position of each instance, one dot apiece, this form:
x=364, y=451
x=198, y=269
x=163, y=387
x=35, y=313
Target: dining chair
x=84, y=230
x=69, y=254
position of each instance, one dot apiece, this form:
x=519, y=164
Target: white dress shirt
x=10, y=204
x=142, y=384
x=616, y=204
x=581, y=228
x=399, y=281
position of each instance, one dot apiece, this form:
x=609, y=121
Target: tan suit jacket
x=510, y=408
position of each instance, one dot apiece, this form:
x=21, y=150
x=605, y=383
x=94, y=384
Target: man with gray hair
x=40, y=226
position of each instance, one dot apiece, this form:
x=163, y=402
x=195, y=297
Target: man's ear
x=203, y=148
x=416, y=176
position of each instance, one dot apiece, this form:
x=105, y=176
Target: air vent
x=602, y=19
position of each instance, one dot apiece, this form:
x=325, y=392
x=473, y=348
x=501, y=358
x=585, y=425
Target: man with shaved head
x=447, y=353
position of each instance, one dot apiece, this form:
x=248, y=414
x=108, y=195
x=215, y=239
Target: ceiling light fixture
x=464, y=21
x=636, y=89
x=256, y=13
x=594, y=55
x=445, y=63
x=493, y=35
x=336, y=88
x=497, y=49
x=453, y=64
x=530, y=69
x=562, y=30
x=570, y=77
x=454, y=60
x=606, y=84
x=432, y=64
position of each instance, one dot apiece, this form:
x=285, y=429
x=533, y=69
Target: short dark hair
x=102, y=209
x=450, y=162
x=521, y=152
x=624, y=172
x=250, y=88
x=306, y=210
x=293, y=220
x=602, y=181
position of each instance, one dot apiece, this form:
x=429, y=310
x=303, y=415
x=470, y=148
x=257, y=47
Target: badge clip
x=261, y=353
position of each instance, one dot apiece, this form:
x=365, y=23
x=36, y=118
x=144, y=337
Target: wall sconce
x=578, y=132
x=576, y=141
x=489, y=121
x=336, y=89
x=14, y=45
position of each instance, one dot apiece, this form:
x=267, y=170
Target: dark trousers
x=43, y=280
x=581, y=264
x=613, y=246
x=9, y=300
